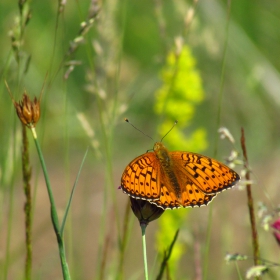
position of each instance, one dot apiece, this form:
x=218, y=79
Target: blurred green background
x=117, y=72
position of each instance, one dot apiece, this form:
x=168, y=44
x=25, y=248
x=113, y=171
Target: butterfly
x=176, y=179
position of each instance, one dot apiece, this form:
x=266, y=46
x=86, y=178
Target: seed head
x=28, y=111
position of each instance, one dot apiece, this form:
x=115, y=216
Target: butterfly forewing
x=140, y=177
x=207, y=174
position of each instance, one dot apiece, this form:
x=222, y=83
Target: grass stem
x=54, y=217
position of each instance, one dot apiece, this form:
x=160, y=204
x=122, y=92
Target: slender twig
x=26, y=171
x=255, y=242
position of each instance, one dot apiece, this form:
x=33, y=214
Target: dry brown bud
x=28, y=111
x=145, y=211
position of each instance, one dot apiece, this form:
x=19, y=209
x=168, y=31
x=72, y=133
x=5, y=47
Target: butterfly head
x=158, y=146
x=161, y=153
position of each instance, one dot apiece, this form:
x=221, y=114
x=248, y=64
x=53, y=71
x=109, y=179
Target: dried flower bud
x=145, y=211
x=28, y=111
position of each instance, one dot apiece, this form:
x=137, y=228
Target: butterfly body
x=174, y=179
x=167, y=167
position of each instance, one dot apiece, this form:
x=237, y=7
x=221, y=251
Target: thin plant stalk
x=255, y=242
x=4, y=269
x=222, y=81
x=143, y=229
x=238, y=271
x=54, y=217
x=207, y=243
x=167, y=255
x=124, y=239
x=26, y=171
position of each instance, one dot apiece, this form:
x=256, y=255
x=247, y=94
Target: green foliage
x=177, y=99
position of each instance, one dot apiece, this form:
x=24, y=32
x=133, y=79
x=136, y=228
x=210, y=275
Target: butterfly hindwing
x=191, y=197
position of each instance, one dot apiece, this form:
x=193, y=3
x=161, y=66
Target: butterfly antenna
x=138, y=129
x=169, y=130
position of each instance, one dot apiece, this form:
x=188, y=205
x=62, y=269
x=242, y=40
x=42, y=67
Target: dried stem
x=255, y=242
x=26, y=171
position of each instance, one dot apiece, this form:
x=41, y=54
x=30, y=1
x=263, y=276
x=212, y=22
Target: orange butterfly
x=174, y=179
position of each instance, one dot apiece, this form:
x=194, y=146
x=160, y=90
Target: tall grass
x=153, y=62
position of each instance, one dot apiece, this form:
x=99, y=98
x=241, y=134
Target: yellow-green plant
x=177, y=99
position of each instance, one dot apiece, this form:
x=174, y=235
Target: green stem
x=54, y=217
x=207, y=243
x=238, y=271
x=166, y=257
x=143, y=228
x=124, y=238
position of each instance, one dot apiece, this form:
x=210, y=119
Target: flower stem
x=54, y=217
x=26, y=171
x=143, y=228
x=250, y=202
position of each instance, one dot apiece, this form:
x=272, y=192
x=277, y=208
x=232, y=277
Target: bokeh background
x=114, y=66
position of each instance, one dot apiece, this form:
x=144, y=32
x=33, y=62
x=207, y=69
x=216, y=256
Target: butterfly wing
x=140, y=178
x=208, y=175
x=191, y=197
x=200, y=179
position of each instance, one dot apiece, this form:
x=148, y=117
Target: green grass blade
x=71, y=195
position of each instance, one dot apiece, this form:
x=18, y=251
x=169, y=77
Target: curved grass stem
x=54, y=217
